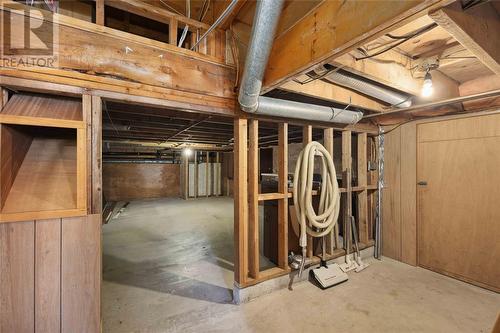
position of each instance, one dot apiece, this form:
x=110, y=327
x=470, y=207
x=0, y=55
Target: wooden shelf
x=43, y=161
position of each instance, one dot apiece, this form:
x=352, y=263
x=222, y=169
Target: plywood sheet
x=48, y=275
x=458, y=221
x=44, y=106
x=127, y=181
x=81, y=274
x=17, y=277
x=391, y=196
x=14, y=146
x=46, y=179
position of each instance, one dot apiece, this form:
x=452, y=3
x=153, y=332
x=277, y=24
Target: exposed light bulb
x=187, y=152
x=427, y=88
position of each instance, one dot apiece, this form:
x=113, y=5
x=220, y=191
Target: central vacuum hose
x=308, y=222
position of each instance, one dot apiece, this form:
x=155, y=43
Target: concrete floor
x=168, y=268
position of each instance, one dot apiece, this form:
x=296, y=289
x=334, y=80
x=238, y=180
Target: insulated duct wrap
x=290, y=109
x=383, y=94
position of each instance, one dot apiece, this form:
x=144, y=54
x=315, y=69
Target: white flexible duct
x=308, y=222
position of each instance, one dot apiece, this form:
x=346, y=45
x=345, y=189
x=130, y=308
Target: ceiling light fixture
x=187, y=152
x=427, y=88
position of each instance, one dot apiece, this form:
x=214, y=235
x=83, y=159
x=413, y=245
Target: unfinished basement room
x=250, y=166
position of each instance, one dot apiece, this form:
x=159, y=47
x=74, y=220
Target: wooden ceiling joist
x=334, y=93
x=475, y=28
x=332, y=29
x=220, y=6
x=156, y=13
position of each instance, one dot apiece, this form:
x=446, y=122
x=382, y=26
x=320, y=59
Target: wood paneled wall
x=400, y=204
x=50, y=276
x=399, y=195
x=127, y=181
x=50, y=269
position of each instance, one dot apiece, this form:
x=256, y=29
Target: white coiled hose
x=308, y=222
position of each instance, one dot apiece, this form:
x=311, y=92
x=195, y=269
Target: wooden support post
x=306, y=138
x=172, y=31
x=363, y=183
x=332, y=240
x=96, y=155
x=202, y=46
x=207, y=170
x=283, y=189
x=253, y=198
x=99, y=12
x=240, y=202
x=4, y=97
x=211, y=40
x=346, y=183
x=87, y=118
x=193, y=40
x=196, y=180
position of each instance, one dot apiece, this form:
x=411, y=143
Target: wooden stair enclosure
x=42, y=157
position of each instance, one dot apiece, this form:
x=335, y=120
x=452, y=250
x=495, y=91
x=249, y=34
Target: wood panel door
x=458, y=177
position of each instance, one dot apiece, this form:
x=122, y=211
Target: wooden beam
x=99, y=12
x=240, y=202
x=172, y=31
x=362, y=182
x=114, y=59
x=333, y=93
x=346, y=183
x=479, y=85
x=115, y=90
x=152, y=12
x=96, y=155
x=283, y=188
x=332, y=240
x=87, y=118
x=220, y=6
x=334, y=28
x=306, y=138
x=475, y=28
x=253, y=198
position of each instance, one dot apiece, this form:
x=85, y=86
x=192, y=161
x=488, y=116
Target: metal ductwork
x=267, y=14
x=347, y=80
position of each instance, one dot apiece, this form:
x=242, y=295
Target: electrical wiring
x=204, y=10
x=401, y=40
x=170, y=7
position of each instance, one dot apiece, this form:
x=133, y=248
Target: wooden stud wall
x=247, y=198
x=253, y=198
x=240, y=202
x=283, y=189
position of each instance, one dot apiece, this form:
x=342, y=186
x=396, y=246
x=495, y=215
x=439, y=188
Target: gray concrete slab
x=168, y=268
